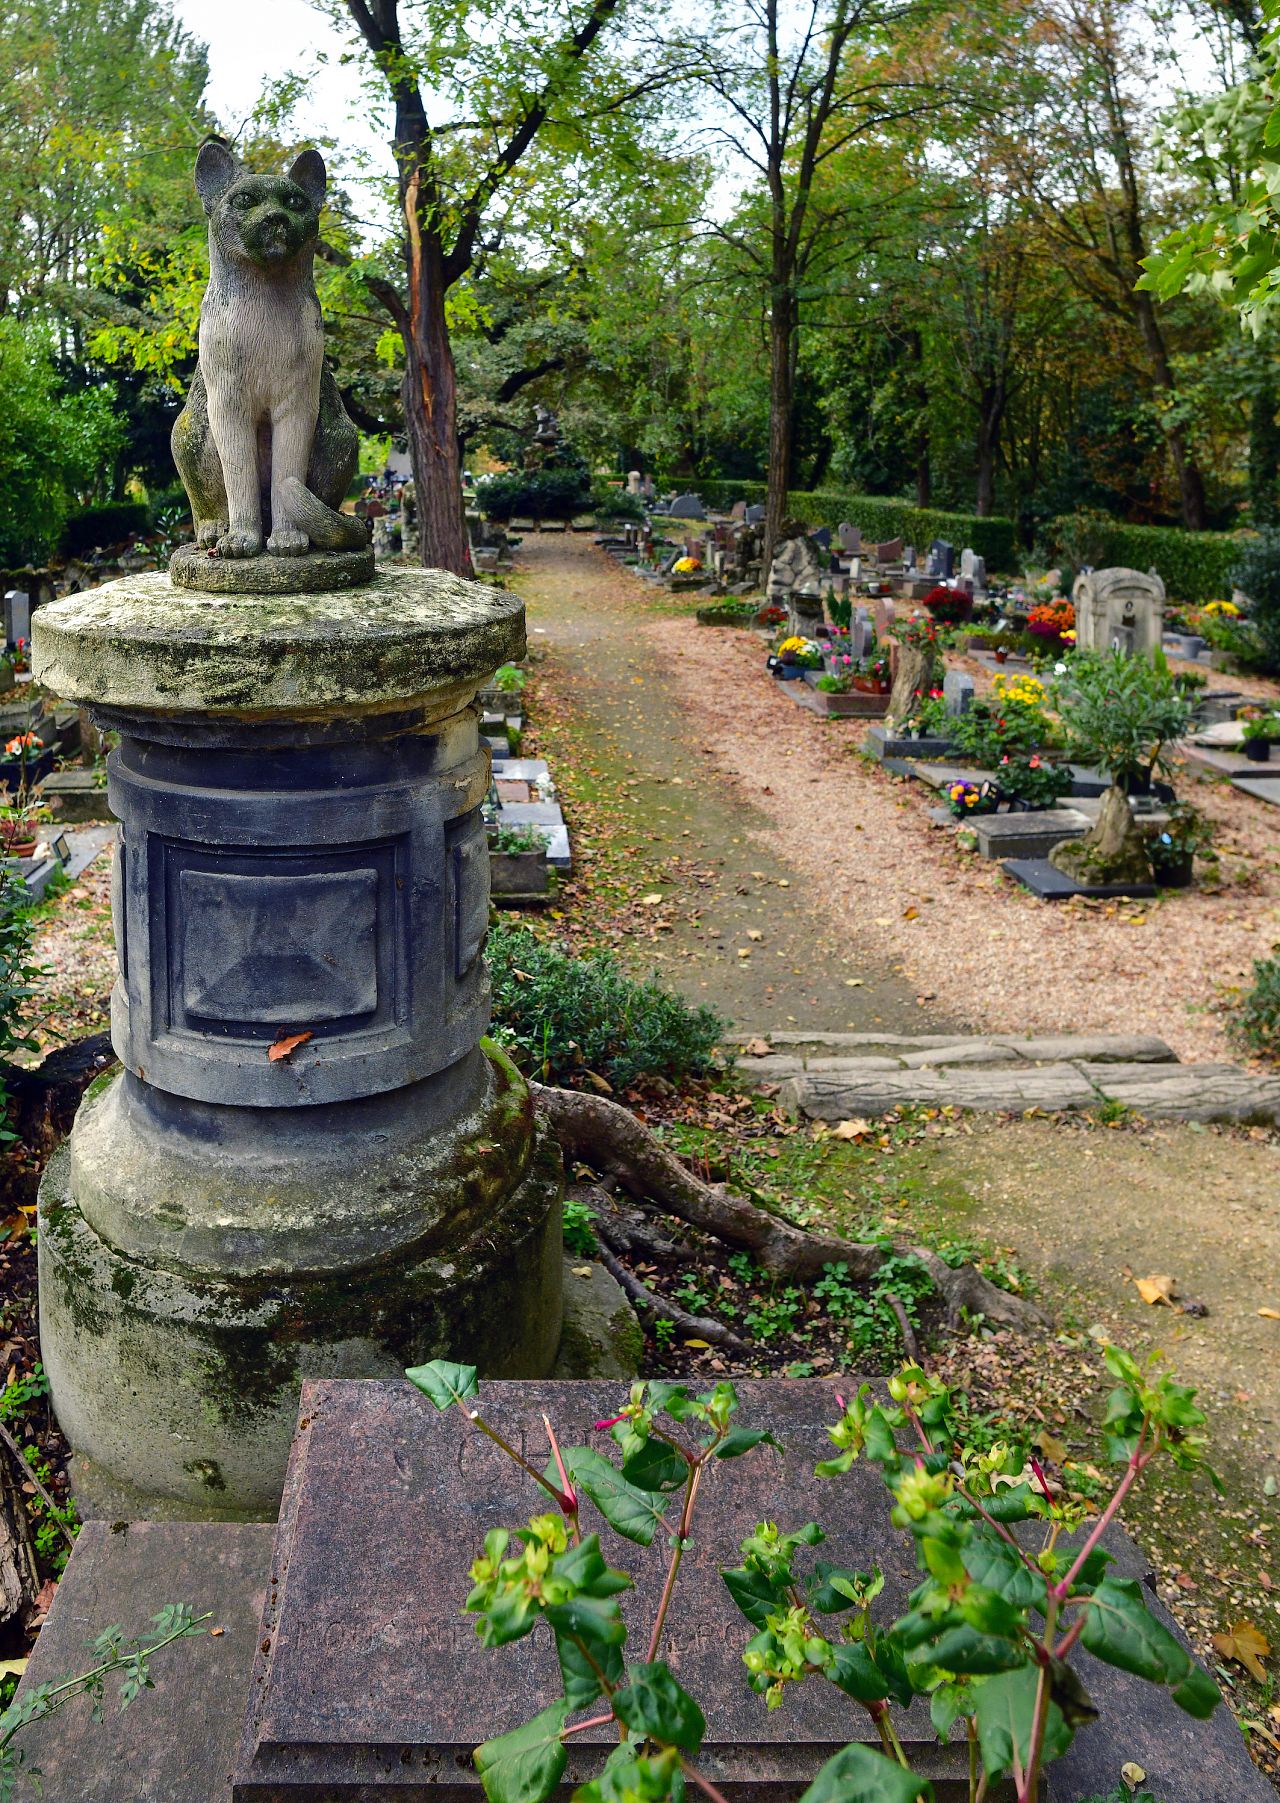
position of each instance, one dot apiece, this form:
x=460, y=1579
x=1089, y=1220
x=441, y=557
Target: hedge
x=881, y=517
x=92, y=528
x=1194, y=566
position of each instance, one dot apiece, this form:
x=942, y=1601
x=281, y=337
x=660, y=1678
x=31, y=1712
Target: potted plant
x=20, y=820
x=1261, y=731
x=948, y=606
x=1173, y=850
x=518, y=861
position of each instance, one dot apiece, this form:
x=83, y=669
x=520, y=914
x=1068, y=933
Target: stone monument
x=796, y=579
x=1119, y=610
x=312, y=1160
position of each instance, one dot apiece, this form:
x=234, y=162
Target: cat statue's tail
x=327, y=530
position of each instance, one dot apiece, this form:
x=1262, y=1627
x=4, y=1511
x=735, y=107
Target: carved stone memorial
x=1119, y=610
x=311, y=1161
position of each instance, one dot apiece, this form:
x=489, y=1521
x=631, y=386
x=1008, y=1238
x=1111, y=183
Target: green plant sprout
x=112, y=1653
x=985, y=1637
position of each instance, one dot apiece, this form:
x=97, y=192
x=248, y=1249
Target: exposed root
x=608, y=1137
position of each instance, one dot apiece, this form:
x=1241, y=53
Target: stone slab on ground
x=177, y=1743
x=839, y=1095
x=1262, y=788
x=1087, y=783
x=386, y=1505
x=1049, y=883
x=547, y=815
x=832, y=1051
x=87, y=843
x=881, y=744
x=1027, y=835
x=940, y=776
x=601, y=1337
x=1192, y=1092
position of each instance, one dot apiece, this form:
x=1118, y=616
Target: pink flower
x=603, y=1426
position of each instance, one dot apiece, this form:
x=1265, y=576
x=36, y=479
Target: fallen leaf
x=1133, y=1774
x=1051, y=1448
x=699, y=1345
x=754, y=933
x=883, y=920
x=757, y=1048
x=855, y=1129
x=1247, y=1646
x=12, y=1668
x=651, y=901
x=911, y=913
x=1270, y=1314
x=744, y=951
x=287, y=1044
x=581, y=1270
x=1154, y=1290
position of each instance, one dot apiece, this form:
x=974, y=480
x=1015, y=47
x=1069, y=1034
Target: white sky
x=251, y=41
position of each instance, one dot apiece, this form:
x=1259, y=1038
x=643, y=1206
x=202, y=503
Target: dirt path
x=734, y=926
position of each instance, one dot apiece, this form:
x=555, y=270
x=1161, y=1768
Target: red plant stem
x=1137, y=1464
x=595, y=1721
x=571, y=1513
x=704, y=1784
x=566, y=1504
x=677, y=1554
x=1028, y=1790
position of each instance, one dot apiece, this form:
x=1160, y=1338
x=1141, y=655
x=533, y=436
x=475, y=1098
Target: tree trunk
x=1264, y=446
x=924, y=475
x=990, y=415
x=782, y=323
x=1187, y=470
x=431, y=411
x=924, y=466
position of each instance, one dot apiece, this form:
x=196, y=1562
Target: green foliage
x=55, y=446
x=1256, y=1023
x=579, y=1228
x=511, y=841
x=555, y=493
x=92, y=528
x=565, y=1015
x=610, y=503
x=1195, y=566
x=1257, y=572
x=1121, y=712
x=18, y=975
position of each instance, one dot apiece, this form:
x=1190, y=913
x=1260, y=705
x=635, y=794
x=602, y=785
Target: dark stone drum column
x=312, y=1163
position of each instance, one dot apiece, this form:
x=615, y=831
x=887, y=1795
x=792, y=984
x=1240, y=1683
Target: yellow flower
x=1223, y=610
x=792, y=644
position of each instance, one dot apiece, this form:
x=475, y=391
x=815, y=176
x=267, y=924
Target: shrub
x=1257, y=572
x=1010, y=724
x=1257, y=1023
x=17, y=974
x=555, y=493
x=881, y=517
x=1121, y=711
x=1195, y=566
x=949, y=606
x=563, y=1015
x=617, y=504
x=93, y=528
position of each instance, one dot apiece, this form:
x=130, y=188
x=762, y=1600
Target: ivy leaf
x=755, y=1594
x=526, y=1765
x=857, y=1775
x=1120, y=1629
x=741, y=1440
x=444, y=1383
x=656, y=1706
x=655, y=1466
x=1005, y=1707
x=635, y=1514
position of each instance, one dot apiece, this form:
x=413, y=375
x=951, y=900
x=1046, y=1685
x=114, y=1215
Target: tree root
x=608, y=1137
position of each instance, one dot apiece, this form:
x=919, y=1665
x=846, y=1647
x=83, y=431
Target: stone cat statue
x=264, y=444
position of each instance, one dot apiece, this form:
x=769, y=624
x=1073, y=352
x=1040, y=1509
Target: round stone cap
x=410, y=638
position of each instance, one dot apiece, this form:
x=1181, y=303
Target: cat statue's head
x=264, y=220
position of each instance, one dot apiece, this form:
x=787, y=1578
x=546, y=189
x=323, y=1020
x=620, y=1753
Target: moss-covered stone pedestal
x=312, y=1162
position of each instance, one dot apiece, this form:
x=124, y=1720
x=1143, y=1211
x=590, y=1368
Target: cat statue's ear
x=216, y=169
x=309, y=173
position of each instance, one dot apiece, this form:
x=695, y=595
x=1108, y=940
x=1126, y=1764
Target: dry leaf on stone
x=1133, y=1774
x=1247, y=1646
x=757, y=1048
x=287, y=1044
x=854, y=983
x=1154, y=1290
x=1270, y=1314
x=754, y=933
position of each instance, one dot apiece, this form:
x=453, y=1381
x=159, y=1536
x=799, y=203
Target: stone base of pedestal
x=184, y=1297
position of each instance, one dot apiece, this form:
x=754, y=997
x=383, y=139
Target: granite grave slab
x=1051, y=884
x=385, y=1506
x=1031, y=835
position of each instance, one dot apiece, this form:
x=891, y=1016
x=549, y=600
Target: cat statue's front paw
x=240, y=542
x=208, y=532
x=287, y=541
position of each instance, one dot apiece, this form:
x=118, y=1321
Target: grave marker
x=958, y=688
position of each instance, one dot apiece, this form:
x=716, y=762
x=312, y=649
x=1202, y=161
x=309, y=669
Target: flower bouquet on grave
x=929, y=718
x=1032, y=781
x=872, y=675
x=1261, y=731
x=1052, y=620
x=965, y=799
x=949, y=606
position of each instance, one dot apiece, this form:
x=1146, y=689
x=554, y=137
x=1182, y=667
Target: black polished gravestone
x=369, y=1678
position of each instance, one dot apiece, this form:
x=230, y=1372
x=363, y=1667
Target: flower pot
x=20, y=848
x=1258, y=751
x=1173, y=869
x=1001, y=654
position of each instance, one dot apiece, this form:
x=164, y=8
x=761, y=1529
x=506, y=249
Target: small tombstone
x=1119, y=609
x=855, y=570
x=634, y=482
x=909, y=557
x=886, y=615
x=967, y=557
x=890, y=551
x=979, y=575
x=958, y=689
x=860, y=633
x=738, y=511
x=942, y=560
x=850, y=538
x=754, y=516
x=17, y=616
x=687, y=507
x=822, y=537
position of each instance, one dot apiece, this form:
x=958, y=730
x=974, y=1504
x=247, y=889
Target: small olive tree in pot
x=1121, y=713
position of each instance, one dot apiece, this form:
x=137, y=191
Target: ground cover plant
x=985, y=1639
